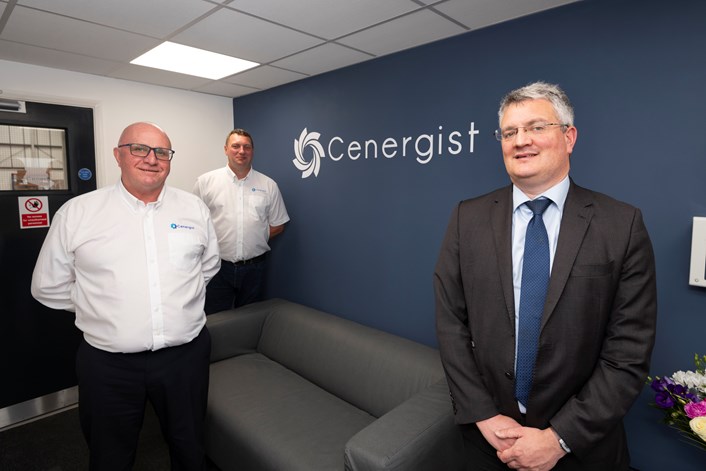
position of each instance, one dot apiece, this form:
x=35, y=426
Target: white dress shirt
x=521, y=217
x=134, y=273
x=242, y=211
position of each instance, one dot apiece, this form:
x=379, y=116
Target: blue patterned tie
x=535, y=279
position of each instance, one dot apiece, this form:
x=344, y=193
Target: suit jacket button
x=510, y=375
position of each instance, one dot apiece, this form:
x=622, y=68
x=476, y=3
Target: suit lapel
x=501, y=223
x=578, y=211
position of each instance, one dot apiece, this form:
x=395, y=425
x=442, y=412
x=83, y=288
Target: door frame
x=51, y=402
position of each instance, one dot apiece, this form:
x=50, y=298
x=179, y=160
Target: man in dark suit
x=596, y=327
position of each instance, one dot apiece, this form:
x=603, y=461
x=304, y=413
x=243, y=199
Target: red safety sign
x=34, y=211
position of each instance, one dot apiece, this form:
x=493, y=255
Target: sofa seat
x=262, y=403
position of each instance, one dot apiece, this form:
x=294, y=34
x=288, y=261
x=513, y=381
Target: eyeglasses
x=535, y=129
x=143, y=150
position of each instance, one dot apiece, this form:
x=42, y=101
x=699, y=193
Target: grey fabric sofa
x=296, y=389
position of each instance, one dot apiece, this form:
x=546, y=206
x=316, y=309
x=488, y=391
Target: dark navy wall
x=365, y=233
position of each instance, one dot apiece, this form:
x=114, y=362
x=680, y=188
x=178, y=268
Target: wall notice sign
x=34, y=211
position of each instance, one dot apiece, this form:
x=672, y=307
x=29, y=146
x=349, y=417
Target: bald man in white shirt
x=132, y=261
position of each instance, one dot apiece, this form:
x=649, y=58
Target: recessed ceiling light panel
x=192, y=61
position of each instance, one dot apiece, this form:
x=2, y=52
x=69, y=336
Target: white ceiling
x=292, y=39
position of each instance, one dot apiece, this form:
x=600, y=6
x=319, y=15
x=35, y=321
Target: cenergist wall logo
x=308, y=150
x=308, y=139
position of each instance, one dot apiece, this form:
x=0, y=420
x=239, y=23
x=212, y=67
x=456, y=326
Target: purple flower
x=664, y=400
x=695, y=409
x=660, y=384
x=681, y=391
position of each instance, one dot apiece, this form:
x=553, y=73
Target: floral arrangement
x=682, y=397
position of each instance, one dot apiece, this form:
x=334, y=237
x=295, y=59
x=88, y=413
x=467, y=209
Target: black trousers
x=235, y=285
x=114, y=389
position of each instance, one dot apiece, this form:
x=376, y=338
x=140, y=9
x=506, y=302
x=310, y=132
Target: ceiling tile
x=264, y=77
x=243, y=36
x=322, y=59
x=224, y=89
x=412, y=30
x=326, y=18
x=49, y=30
x=138, y=73
x=480, y=13
x=156, y=18
x=17, y=52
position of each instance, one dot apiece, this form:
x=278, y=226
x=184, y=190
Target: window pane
x=32, y=158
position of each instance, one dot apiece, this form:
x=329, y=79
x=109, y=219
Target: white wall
x=196, y=123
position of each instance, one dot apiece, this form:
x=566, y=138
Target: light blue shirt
x=521, y=216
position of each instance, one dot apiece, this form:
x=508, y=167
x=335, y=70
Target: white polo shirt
x=242, y=211
x=134, y=273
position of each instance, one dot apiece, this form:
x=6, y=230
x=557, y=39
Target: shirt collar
x=136, y=203
x=234, y=177
x=557, y=194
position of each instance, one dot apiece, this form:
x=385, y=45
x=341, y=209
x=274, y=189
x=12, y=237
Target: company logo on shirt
x=309, y=150
x=181, y=226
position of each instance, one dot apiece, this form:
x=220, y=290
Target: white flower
x=691, y=380
x=698, y=425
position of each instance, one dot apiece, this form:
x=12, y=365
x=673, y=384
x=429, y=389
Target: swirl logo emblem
x=308, y=139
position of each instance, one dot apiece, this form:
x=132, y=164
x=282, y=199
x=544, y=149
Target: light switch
x=697, y=273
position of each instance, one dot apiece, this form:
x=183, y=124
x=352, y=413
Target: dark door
x=46, y=152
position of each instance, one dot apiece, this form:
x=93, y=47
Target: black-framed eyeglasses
x=533, y=129
x=143, y=150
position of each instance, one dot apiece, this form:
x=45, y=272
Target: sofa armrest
x=237, y=331
x=420, y=434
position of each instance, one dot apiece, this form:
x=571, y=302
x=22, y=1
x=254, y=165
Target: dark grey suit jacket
x=598, y=325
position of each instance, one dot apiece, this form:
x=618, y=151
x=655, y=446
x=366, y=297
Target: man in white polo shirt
x=132, y=261
x=247, y=211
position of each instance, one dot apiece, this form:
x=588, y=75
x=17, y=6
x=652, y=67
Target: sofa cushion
x=263, y=416
x=371, y=369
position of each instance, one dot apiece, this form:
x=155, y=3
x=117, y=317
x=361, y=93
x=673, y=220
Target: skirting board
x=17, y=414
